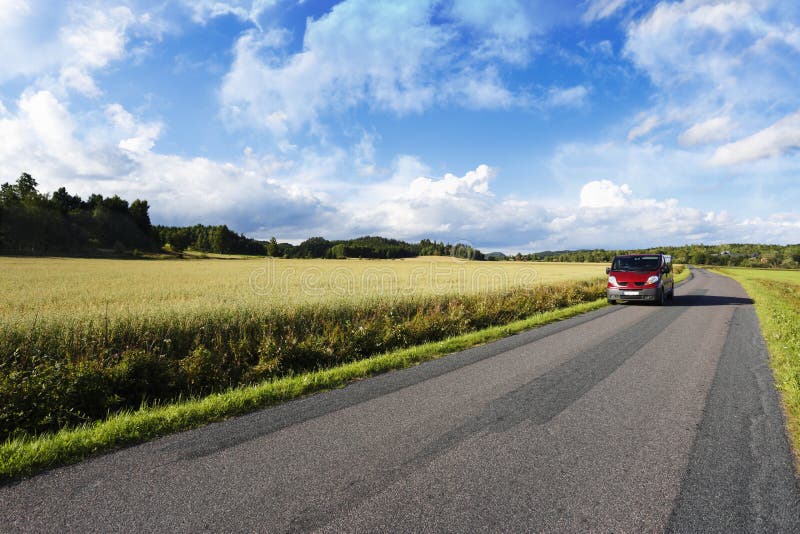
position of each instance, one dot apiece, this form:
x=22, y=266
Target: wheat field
x=46, y=290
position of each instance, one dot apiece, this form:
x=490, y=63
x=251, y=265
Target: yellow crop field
x=82, y=338
x=44, y=290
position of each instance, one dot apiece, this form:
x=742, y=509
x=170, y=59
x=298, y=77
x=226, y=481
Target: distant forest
x=34, y=223
x=744, y=255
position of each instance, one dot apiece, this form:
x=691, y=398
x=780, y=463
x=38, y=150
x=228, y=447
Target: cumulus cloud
x=42, y=134
x=300, y=193
x=142, y=135
x=359, y=51
x=114, y=156
x=772, y=141
x=604, y=194
x=387, y=56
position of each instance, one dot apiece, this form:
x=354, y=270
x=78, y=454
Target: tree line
x=372, y=247
x=734, y=255
x=35, y=223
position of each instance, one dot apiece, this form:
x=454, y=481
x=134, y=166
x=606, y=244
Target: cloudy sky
x=514, y=125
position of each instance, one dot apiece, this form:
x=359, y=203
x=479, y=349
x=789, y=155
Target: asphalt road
x=631, y=418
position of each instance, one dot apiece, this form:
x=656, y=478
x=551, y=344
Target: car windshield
x=636, y=263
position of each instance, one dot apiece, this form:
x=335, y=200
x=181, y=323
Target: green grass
x=29, y=455
x=681, y=273
x=776, y=294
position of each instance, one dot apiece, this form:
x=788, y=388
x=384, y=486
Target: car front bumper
x=624, y=293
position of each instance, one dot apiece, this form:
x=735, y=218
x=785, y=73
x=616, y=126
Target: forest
x=59, y=223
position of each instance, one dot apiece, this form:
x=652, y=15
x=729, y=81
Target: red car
x=640, y=277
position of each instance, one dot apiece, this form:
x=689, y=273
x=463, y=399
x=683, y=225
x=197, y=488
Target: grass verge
x=776, y=295
x=681, y=273
x=27, y=456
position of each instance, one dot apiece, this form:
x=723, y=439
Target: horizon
x=521, y=127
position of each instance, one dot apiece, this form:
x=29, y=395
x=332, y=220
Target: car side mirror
x=665, y=268
x=608, y=270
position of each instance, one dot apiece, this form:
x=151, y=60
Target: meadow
x=776, y=296
x=84, y=338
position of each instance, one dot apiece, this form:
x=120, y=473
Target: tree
x=8, y=194
x=26, y=187
x=272, y=248
x=64, y=202
x=138, y=211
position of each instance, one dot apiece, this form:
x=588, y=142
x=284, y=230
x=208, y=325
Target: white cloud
x=96, y=36
x=601, y=9
x=643, y=128
x=301, y=193
x=204, y=10
x=567, y=97
x=11, y=11
x=605, y=214
x=708, y=131
x=728, y=60
x=364, y=153
x=112, y=154
x=142, y=136
x=42, y=135
x=79, y=80
x=360, y=51
x=507, y=19
x=60, y=45
x=604, y=194
x=683, y=40
x=479, y=90
x=773, y=141
x=387, y=56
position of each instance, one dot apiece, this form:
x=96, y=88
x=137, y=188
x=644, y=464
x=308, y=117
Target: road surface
x=629, y=418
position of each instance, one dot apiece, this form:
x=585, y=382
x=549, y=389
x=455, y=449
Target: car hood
x=632, y=276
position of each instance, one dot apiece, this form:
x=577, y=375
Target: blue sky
x=515, y=126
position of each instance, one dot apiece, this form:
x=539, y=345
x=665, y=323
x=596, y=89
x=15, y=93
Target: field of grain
x=43, y=290
x=83, y=338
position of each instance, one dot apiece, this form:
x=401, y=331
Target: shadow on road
x=710, y=300
x=700, y=300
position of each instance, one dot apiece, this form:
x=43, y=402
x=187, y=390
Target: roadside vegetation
x=25, y=453
x=680, y=273
x=776, y=294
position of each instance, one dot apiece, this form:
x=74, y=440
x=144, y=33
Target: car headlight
x=612, y=280
x=652, y=280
